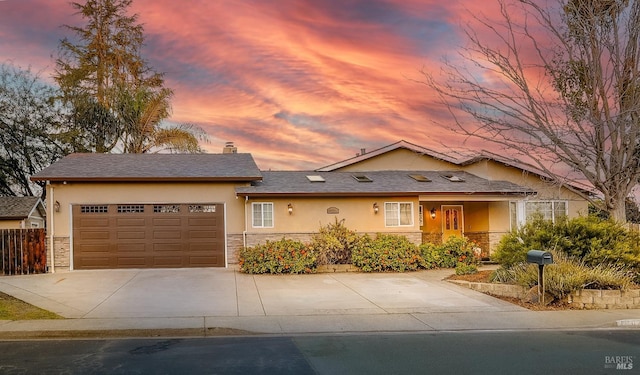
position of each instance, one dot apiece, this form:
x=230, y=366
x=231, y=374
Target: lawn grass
x=14, y=309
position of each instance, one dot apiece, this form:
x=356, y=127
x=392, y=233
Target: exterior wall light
x=290, y=208
x=56, y=206
x=375, y=208
x=433, y=213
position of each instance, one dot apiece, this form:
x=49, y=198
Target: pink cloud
x=286, y=81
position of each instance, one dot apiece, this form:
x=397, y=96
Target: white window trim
x=397, y=211
x=262, y=204
x=521, y=209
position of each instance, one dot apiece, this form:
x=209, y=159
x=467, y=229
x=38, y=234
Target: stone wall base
x=581, y=299
x=61, y=251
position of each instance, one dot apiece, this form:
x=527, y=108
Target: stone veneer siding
x=61, y=252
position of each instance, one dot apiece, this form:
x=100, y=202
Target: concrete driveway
x=174, y=293
x=209, y=299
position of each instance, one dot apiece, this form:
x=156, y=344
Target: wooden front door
x=452, y=222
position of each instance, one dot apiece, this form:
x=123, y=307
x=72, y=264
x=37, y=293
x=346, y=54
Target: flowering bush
x=386, y=253
x=284, y=256
x=447, y=255
x=334, y=243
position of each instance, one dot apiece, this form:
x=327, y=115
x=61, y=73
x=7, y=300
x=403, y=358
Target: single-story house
x=21, y=213
x=198, y=210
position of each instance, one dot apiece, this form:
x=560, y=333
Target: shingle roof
x=400, y=144
x=152, y=167
x=291, y=183
x=461, y=161
x=17, y=207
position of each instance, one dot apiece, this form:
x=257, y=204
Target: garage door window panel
x=94, y=209
x=130, y=208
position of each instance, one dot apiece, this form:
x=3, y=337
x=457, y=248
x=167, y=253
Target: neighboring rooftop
x=17, y=207
x=397, y=183
x=155, y=167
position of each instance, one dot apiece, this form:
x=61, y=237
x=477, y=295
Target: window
x=420, y=177
x=202, y=208
x=166, y=208
x=362, y=178
x=453, y=178
x=521, y=212
x=262, y=215
x=315, y=178
x=398, y=214
x=130, y=208
x=93, y=209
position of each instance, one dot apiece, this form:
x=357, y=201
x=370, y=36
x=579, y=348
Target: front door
x=452, y=222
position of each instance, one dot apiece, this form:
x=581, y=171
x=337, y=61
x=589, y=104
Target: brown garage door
x=148, y=236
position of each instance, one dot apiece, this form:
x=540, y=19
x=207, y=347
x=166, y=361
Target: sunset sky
x=297, y=83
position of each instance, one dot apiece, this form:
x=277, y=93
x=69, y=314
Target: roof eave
x=373, y=194
x=147, y=179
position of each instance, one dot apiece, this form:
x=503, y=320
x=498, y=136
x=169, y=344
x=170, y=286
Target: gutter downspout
x=244, y=232
x=51, y=226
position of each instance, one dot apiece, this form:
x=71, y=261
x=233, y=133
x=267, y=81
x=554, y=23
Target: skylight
x=315, y=178
x=453, y=178
x=420, y=177
x=362, y=178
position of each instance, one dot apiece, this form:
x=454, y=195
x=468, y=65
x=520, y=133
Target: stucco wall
x=11, y=224
x=401, y=159
x=309, y=214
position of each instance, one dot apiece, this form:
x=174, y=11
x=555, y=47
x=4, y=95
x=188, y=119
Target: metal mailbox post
x=540, y=258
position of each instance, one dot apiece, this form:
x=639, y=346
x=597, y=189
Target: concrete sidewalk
x=212, y=298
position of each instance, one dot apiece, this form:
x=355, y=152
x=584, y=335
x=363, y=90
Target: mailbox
x=539, y=257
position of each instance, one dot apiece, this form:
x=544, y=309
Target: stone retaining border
x=581, y=299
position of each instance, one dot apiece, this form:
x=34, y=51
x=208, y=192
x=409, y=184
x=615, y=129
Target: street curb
x=628, y=322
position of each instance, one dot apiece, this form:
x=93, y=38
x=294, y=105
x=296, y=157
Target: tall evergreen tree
x=105, y=81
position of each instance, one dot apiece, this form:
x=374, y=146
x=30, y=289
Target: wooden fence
x=23, y=251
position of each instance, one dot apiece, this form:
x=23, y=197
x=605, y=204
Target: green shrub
x=537, y=234
x=334, y=243
x=600, y=242
x=431, y=256
x=386, y=253
x=593, y=240
x=447, y=255
x=566, y=275
x=466, y=269
x=284, y=256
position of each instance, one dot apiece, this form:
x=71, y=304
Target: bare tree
x=30, y=137
x=557, y=84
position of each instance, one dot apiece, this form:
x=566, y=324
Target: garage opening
x=107, y=236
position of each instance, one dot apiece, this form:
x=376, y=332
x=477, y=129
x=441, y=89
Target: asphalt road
x=508, y=352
